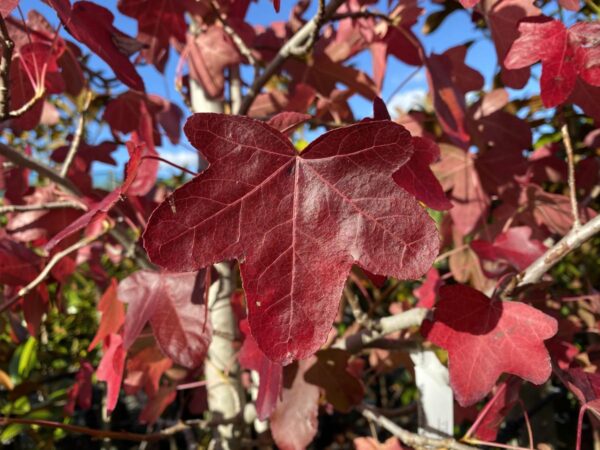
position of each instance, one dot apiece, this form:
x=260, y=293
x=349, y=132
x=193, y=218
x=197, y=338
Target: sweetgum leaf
x=485, y=338
x=113, y=314
x=111, y=368
x=169, y=301
x=295, y=222
x=566, y=55
x=92, y=25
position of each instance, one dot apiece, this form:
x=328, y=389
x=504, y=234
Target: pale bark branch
x=23, y=160
x=409, y=438
x=287, y=50
x=571, y=241
x=310, y=42
x=387, y=325
x=39, y=93
x=572, y=185
x=235, y=37
x=42, y=207
x=76, y=137
x=7, y=51
x=46, y=270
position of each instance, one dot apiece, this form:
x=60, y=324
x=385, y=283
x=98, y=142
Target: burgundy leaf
x=297, y=223
x=92, y=25
x=111, y=368
x=342, y=389
x=485, y=338
x=113, y=314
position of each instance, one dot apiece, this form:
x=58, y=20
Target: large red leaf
x=170, y=302
x=92, y=25
x=295, y=222
x=486, y=338
x=566, y=54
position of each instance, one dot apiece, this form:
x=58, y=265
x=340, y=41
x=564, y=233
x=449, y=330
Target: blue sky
x=456, y=29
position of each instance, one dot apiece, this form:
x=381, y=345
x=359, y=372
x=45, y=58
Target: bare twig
x=572, y=186
x=364, y=14
x=359, y=315
x=387, y=325
x=237, y=40
x=287, y=50
x=42, y=207
x=7, y=51
x=572, y=240
x=46, y=270
x=312, y=38
x=23, y=160
x=409, y=438
x=108, y=434
x=77, y=136
x=39, y=93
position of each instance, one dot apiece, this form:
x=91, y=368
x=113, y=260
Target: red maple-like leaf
x=330, y=371
x=171, y=303
x=92, y=25
x=503, y=17
x=144, y=370
x=7, y=7
x=158, y=21
x=80, y=393
x=100, y=209
x=485, y=338
x=113, y=314
x=566, y=54
x=111, y=368
x=296, y=222
x=427, y=292
x=513, y=246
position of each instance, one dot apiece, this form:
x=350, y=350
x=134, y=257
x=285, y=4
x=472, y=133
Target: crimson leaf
x=485, y=338
x=296, y=222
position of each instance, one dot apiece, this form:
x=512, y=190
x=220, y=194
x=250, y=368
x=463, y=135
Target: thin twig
x=39, y=93
x=235, y=37
x=359, y=315
x=365, y=14
x=41, y=207
x=77, y=136
x=284, y=53
x=312, y=38
x=409, y=438
x=109, y=434
x=20, y=159
x=7, y=51
x=166, y=161
x=387, y=325
x=572, y=186
x=46, y=270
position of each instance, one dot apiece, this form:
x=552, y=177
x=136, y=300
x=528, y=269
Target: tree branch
x=285, y=52
x=236, y=38
x=572, y=186
x=387, y=325
x=572, y=240
x=7, y=51
x=41, y=207
x=76, y=137
x=409, y=438
x=23, y=160
x=46, y=270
